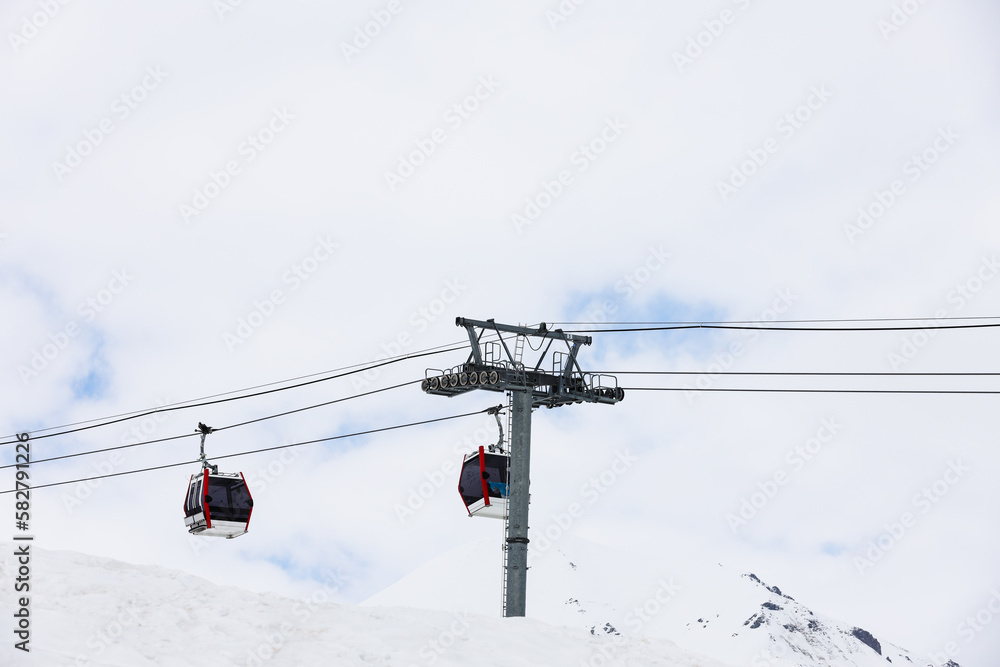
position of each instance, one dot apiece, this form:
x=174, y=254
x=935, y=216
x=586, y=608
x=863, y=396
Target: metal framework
x=493, y=366
x=205, y=465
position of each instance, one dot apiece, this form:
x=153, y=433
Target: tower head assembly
x=494, y=366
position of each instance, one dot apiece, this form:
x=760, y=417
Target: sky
x=212, y=196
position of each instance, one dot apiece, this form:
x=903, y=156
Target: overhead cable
x=221, y=428
x=769, y=327
x=253, y=451
x=185, y=405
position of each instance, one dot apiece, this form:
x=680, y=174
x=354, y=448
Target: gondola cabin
x=483, y=484
x=217, y=504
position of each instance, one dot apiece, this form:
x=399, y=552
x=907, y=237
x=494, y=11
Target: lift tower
x=493, y=366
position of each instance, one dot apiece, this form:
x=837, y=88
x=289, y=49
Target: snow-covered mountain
x=707, y=608
x=95, y=612
x=587, y=605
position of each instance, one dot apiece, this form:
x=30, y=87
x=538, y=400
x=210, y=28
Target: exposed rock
x=773, y=589
x=867, y=639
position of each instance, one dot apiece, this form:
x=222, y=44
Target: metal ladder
x=518, y=349
x=506, y=517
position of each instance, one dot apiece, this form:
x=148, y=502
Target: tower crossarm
x=566, y=383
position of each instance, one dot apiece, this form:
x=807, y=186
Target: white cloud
x=656, y=186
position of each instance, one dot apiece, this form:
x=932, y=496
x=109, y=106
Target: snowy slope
x=704, y=607
x=95, y=612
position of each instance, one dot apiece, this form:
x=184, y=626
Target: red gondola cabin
x=483, y=484
x=218, y=504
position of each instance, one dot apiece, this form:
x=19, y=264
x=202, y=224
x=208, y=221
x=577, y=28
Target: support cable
x=761, y=327
x=815, y=321
x=818, y=391
x=803, y=373
x=253, y=451
x=188, y=404
x=221, y=428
